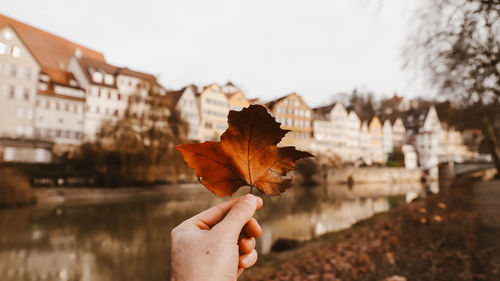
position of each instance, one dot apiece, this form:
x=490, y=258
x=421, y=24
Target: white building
x=364, y=142
x=59, y=110
x=387, y=139
x=410, y=156
x=330, y=130
x=430, y=141
x=353, y=140
x=398, y=133
x=18, y=80
x=185, y=102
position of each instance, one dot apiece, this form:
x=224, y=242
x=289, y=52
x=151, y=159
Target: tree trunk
x=495, y=145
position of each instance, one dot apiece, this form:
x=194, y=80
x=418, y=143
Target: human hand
x=217, y=244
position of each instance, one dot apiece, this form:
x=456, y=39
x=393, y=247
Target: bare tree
x=457, y=43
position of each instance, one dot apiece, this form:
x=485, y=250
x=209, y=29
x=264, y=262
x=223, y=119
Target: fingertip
x=246, y=245
x=248, y=260
x=252, y=228
x=260, y=202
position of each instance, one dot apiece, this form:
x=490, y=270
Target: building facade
x=430, y=141
x=365, y=142
x=184, y=102
x=237, y=101
x=376, y=140
x=387, y=139
x=18, y=82
x=294, y=115
x=214, y=109
x=398, y=133
x=353, y=141
x=59, y=111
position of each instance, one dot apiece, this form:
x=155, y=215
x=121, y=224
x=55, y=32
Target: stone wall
x=373, y=175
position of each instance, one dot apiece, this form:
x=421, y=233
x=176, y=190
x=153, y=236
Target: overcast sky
x=268, y=48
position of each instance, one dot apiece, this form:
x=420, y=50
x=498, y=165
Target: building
x=398, y=133
x=294, y=115
x=18, y=82
x=330, y=127
x=430, y=141
x=213, y=108
x=387, y=139
x=410, y=156
x=111, y=92
x=365, y=142
x=103, y=100
x=184, y=101
x=376, y=140
x=28, y=54
x=353, y=145
x=237, y=101
x=455, y=147
x=59, y=117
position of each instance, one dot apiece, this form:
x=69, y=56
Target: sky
x=270, y=48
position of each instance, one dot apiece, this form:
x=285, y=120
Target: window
x=12, y=93
x=26, y=94
x=20, y=113
x=19, y=130
x=7, y=35
x=97, y=77
x=16, y=52
x=29, y=114
x=3, y=48
x=13, y=70
x=108, y=79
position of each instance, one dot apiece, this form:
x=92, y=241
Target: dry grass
x=15, y=189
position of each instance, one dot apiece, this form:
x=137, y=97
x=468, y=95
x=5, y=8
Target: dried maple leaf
x=246, y=155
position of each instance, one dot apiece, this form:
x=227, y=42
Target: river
x=131, y=240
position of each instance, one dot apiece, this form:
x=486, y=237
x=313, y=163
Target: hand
x=217, y=244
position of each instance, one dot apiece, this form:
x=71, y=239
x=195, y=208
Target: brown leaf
x=246, y=155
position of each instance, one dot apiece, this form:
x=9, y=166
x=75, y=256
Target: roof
x=141, y=75
x=254, y=100
x=321, y=113
x=63, y=78
x=102, y=66
x=271, y=104
x=51, y=51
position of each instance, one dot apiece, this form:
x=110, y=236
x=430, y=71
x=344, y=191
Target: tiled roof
x=141, y=75
x=322, y=113
x=63, y=78
x=102, y=66
x=49, y=50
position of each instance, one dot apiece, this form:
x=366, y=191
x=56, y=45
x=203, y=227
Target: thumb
x=234, y=221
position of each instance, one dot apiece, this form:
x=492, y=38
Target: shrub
x=15, y=189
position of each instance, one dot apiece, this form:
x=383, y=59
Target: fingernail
x=250, y=199
x=247, y=259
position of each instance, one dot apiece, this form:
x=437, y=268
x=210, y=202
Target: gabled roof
x=62, y=78
x=87, y=63
x=323, y=112
x=141, y=75
x=51, y=51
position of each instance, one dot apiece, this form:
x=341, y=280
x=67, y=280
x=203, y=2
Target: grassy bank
x=434, y=238
x=15, y=189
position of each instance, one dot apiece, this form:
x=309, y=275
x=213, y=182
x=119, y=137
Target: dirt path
x=454, y=235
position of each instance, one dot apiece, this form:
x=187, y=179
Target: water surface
x=131, y=240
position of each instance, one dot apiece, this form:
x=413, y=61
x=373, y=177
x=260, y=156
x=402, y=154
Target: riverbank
x=449, y=236
x=80, y=195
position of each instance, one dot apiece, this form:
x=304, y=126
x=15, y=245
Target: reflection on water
x=130, y=241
